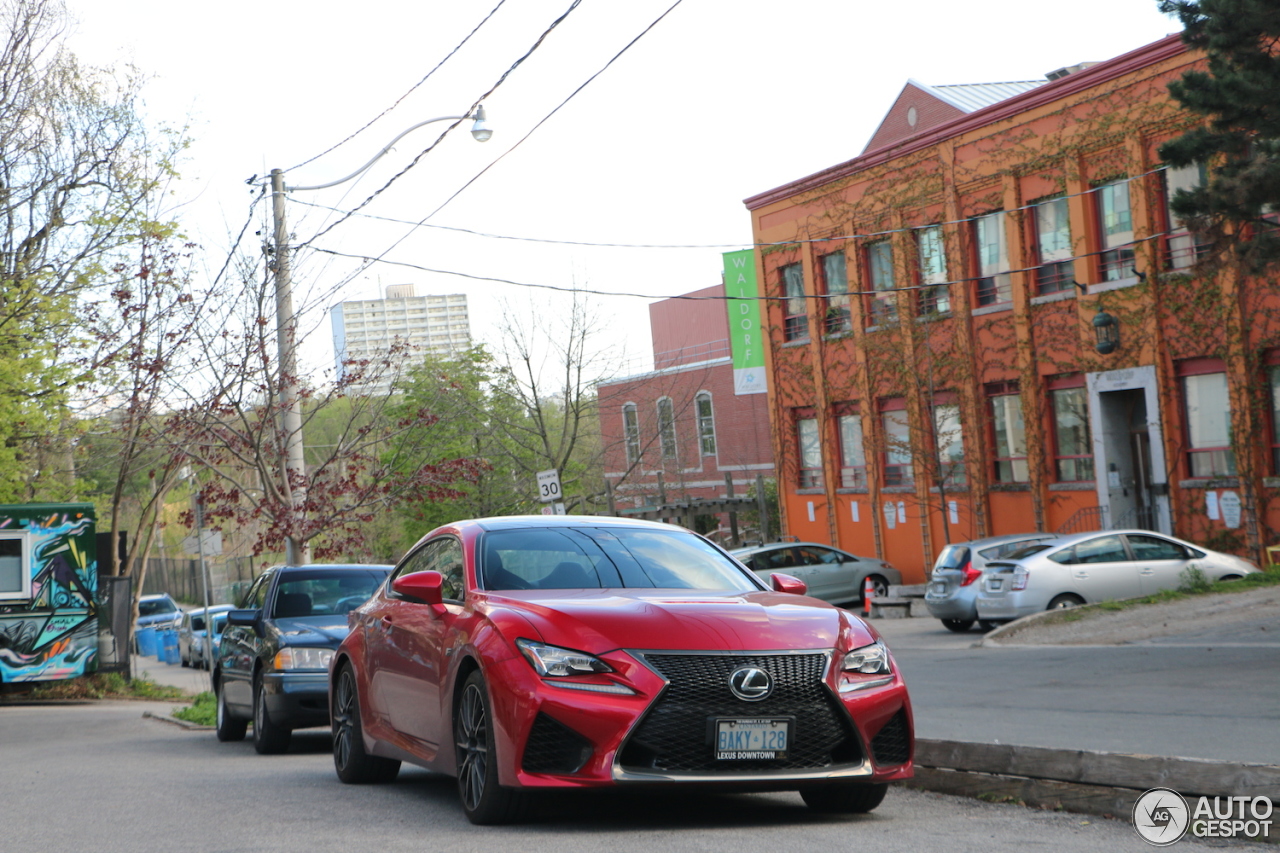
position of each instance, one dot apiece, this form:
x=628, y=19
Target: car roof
x=156, y=596
x=322, y=567
x=509, y=522
x=754, y=549
x=1005, y=537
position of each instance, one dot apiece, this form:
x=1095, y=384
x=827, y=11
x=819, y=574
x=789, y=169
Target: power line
x=412, y=89
x=368, y=260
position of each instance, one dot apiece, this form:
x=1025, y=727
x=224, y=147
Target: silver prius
x=952, y=593
x=1084, y=568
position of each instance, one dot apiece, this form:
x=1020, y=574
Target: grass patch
x=98, y=685
x=203, y=710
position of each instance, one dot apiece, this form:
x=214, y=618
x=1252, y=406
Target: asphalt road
x=1203, y=696
x=101, y=778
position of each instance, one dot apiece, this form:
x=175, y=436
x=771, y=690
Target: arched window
x=667, y=428
x=631, y=432
x=706, y=424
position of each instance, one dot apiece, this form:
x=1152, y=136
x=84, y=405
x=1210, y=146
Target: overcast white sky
x=718, y=102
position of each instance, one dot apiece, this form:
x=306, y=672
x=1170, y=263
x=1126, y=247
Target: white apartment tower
x=368, y=328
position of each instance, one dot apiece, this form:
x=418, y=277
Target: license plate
x=938, y=588
x=995, y=585
x=754, y=738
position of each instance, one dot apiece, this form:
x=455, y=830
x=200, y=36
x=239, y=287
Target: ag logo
x=1161, y=816
x=750, y=683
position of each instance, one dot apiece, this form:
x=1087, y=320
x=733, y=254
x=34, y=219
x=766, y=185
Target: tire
x=353, y=765
x=986, y=625
x=1065, y=601
x=185, y=662
x=851, y=798
x=228, y=728
x=879, y=586
x=484, y=801
x=957, y=625
x=268, y=738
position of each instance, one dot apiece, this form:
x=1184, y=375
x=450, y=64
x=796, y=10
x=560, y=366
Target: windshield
x=156, y=606
x=952, y=557
x=324, y=593
x=598, y=558
x=1027, y=551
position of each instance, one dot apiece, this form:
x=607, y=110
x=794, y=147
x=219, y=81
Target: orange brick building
x=989, y=323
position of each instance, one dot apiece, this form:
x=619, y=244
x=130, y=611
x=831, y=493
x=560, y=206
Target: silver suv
x=952, y=593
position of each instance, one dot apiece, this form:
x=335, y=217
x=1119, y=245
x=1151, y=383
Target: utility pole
x=294, y=485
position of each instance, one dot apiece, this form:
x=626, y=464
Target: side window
x=1067, y=556
x=817, y=556
x=256, y=597
x=1154, y=548
x=782, y=558
x=448, y=562
x=1104, y=549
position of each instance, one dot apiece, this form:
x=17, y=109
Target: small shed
x=48, y=592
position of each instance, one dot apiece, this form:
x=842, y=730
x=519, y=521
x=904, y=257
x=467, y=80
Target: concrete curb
x=992, y=639
x=174, y=721
x=1097, y=783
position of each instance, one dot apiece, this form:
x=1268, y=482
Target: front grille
x=892, y=745
x=677, y=734
x=553, y=747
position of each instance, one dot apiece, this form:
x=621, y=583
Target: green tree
x=1241, y=138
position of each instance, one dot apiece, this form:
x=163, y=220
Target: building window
x=1010, y=434
x=1184, y=247
x=1053, y=245
x=935, y=293
x=948, y=438
x=1073, y=443
x=667, y=428
x=810, y=453
x=1273, y=376
x=706, y=424
x=15, y=572
x=1115, y=227
x=1207, y=409
x=795, y=325
x=631, y=432
x=853, y=460
x=897, y=442
x=993, y=285
x=835, y=275
x=883, y=307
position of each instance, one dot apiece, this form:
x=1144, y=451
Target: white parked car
x=1084, y=568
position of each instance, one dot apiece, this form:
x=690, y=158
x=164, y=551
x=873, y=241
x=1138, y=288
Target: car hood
x=599, y=621
x=158, y=619
x=312, y=631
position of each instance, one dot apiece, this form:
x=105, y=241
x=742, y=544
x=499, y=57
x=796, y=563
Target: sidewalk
x=192, y=681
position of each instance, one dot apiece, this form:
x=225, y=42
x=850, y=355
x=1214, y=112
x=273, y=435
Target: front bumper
x=297, y=700
x=659, y=735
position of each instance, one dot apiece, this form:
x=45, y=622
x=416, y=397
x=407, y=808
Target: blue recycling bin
x=146, y=641
x=170, y=646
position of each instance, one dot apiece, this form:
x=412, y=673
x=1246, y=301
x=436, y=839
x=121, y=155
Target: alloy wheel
x=473, y=746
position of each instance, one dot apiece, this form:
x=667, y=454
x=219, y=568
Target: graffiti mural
x=51, y=631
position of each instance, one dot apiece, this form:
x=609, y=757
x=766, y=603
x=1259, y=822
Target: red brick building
x=682, y=425
x=990, y=322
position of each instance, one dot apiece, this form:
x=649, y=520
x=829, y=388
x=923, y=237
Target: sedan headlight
x=869, y=660
x=303, y=658
x=555, y=661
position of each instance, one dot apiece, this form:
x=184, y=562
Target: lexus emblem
x=750, y=683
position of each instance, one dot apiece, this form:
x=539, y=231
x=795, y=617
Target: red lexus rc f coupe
x=572, y=652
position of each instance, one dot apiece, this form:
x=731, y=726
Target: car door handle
x=1146, y=570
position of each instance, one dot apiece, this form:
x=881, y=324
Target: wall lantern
x=1107, y=330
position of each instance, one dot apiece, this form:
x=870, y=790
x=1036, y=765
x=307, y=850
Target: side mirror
x=787, y=583
x=246, y=619
x=420, y=586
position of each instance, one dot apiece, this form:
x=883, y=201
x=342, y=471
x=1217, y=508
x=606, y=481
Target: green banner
x=746, y=335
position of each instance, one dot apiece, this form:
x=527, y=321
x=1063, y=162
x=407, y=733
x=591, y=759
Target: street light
x=295, y=466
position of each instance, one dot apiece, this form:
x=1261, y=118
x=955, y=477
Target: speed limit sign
x=549, y=485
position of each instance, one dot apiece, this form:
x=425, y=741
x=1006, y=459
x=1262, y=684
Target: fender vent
x=553, y=747
x=892, y=745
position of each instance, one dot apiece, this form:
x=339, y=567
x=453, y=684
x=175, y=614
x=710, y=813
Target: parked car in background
x=273, y=659
x=954, y=581
x=191, y=632
x=158, y=611
x=1085, y=568
x=562, y=652
x=829, y=573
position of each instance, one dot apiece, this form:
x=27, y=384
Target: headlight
x=555, y=661
x=303, y=658
x=869, y=660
